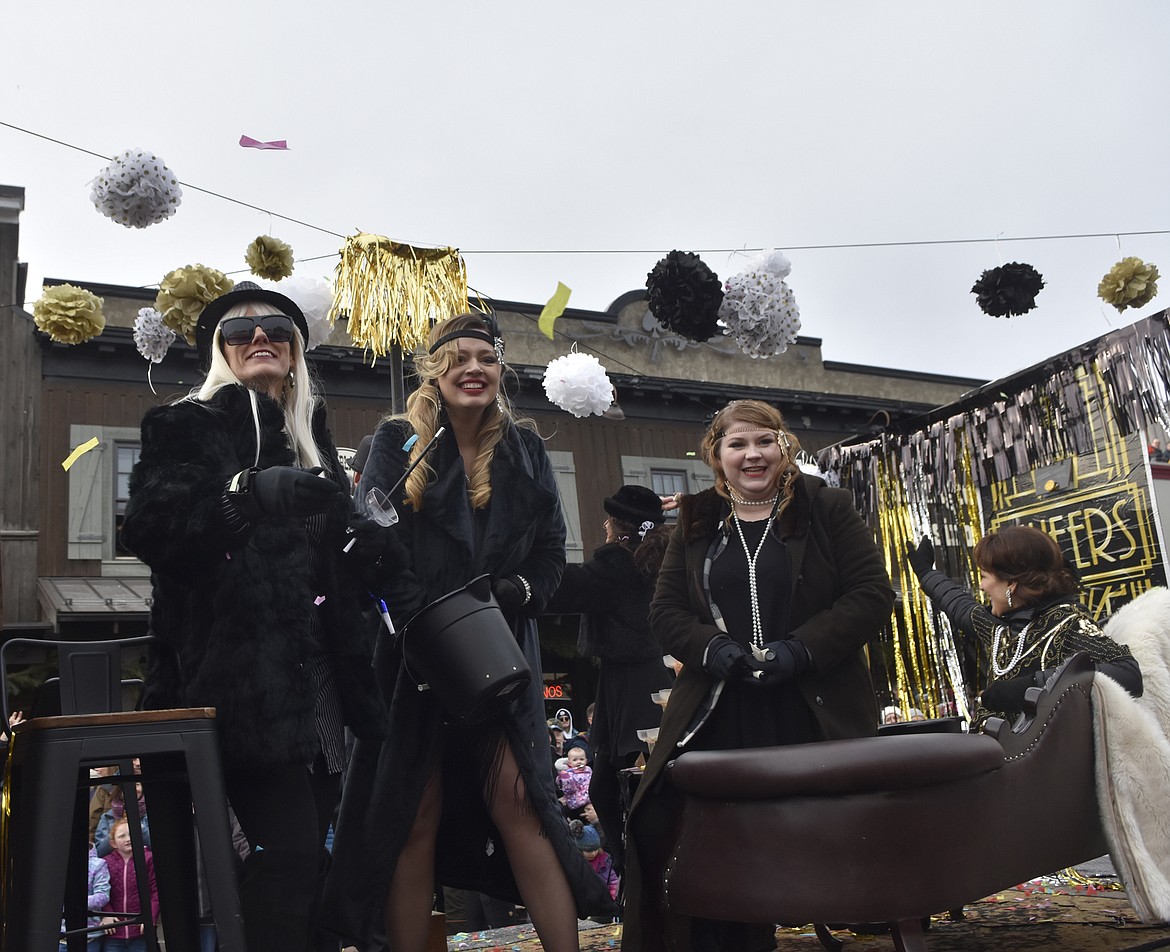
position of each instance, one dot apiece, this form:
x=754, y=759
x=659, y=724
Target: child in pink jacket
x=124, y=892
x=589, y=843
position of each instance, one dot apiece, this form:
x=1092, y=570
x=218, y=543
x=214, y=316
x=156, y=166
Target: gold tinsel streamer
x=393, y=293
x=5, y=819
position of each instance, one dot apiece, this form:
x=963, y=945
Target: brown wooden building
x=60, y=561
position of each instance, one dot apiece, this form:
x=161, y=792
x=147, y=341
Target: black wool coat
x=232, y=611
x=524, y=535
x=613, y=599
x=840, y=599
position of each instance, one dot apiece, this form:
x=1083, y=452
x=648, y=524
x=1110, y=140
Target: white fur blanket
x=1132, y=740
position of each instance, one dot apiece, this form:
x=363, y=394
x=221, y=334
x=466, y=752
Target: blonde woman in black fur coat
x=239, y=506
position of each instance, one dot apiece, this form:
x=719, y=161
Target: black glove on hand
x=790, y=659
x=509, y=593
x=288, y=491
x=1007, y=696
x=921, y=559
x=372, y=541
x=728, y=660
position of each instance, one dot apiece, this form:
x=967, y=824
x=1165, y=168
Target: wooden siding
x=20, y=435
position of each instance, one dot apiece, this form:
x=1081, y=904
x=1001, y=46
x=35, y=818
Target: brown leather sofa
x=889, y=829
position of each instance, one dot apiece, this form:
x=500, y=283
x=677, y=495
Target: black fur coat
x=613, y=600
x=232, y=612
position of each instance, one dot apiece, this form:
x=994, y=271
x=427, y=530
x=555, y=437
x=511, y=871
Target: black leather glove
x=728, y=660
x=1007, y=695
x=509, y=593
x=288, y=491
x=789, y=659
x=921, y=559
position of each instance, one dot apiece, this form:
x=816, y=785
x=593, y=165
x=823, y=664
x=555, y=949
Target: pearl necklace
x=740, y=501
x=757, y=623
x=995, y=666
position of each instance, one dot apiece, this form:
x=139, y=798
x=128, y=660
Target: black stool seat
x=182, y=779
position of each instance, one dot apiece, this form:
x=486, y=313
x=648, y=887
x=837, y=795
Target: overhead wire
x=609, y=251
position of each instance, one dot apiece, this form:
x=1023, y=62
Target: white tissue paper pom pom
x=152, y=337
x=314, y=298
x=759, y=308
x=578, y=384
x=136, y=189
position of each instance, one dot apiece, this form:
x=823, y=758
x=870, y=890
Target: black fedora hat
x=358, y=463
x=635, y=505
x=242, y=293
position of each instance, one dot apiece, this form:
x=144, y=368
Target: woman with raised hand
x=1032, y=623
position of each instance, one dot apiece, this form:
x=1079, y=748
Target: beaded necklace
x=740, y=501
x=995, y=666
x=753, y=589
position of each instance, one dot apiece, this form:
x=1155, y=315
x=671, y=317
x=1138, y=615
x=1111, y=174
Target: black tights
x=285, y=813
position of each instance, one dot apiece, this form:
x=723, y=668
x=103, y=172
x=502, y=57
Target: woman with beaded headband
x=1032, y=623
x=440, y=803
x=240, y=506
x=769, y=591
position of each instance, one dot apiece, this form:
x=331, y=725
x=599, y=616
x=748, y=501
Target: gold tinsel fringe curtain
x=937, y=480
x=392, y=293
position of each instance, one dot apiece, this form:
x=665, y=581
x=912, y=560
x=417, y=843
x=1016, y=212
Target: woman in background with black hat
x=612, y=593
x=470, y=807
x=240, y=507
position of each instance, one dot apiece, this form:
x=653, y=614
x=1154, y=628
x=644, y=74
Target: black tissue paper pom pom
x=685, y=295
x=1008, y=290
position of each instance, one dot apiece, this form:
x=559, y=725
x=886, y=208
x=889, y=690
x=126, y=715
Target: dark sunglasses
x=237, y=331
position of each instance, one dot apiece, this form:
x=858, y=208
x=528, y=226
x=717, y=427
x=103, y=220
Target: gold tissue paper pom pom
x=269, y=258
x=68, y=314
x=1130, y=283
x=184, y=293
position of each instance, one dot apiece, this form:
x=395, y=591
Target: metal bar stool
x=49, y=782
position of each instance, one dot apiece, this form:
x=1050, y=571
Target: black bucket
x=462, y=648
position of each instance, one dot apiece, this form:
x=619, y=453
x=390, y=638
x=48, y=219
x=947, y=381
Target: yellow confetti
x=554, y=309
x=78, y=452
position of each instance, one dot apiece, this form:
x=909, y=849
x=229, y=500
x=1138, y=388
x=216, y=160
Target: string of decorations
x=823, y=246
x=390, y=292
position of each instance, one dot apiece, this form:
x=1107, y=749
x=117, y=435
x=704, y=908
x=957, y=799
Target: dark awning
x=84, y=599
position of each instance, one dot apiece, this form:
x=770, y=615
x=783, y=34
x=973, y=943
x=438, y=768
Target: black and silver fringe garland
x=929, y=481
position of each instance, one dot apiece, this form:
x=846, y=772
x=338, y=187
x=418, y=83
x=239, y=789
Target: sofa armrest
x=862, y=765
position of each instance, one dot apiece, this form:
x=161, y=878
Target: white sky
x=545, y=126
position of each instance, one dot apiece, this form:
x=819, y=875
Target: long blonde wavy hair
x=299, y=402
x=754, y=413
x=424, y=413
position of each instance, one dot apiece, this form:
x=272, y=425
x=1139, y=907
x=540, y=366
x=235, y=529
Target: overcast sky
x=531, y=130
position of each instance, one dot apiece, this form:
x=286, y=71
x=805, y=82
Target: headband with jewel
x=781, y=436
x=490, y=336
